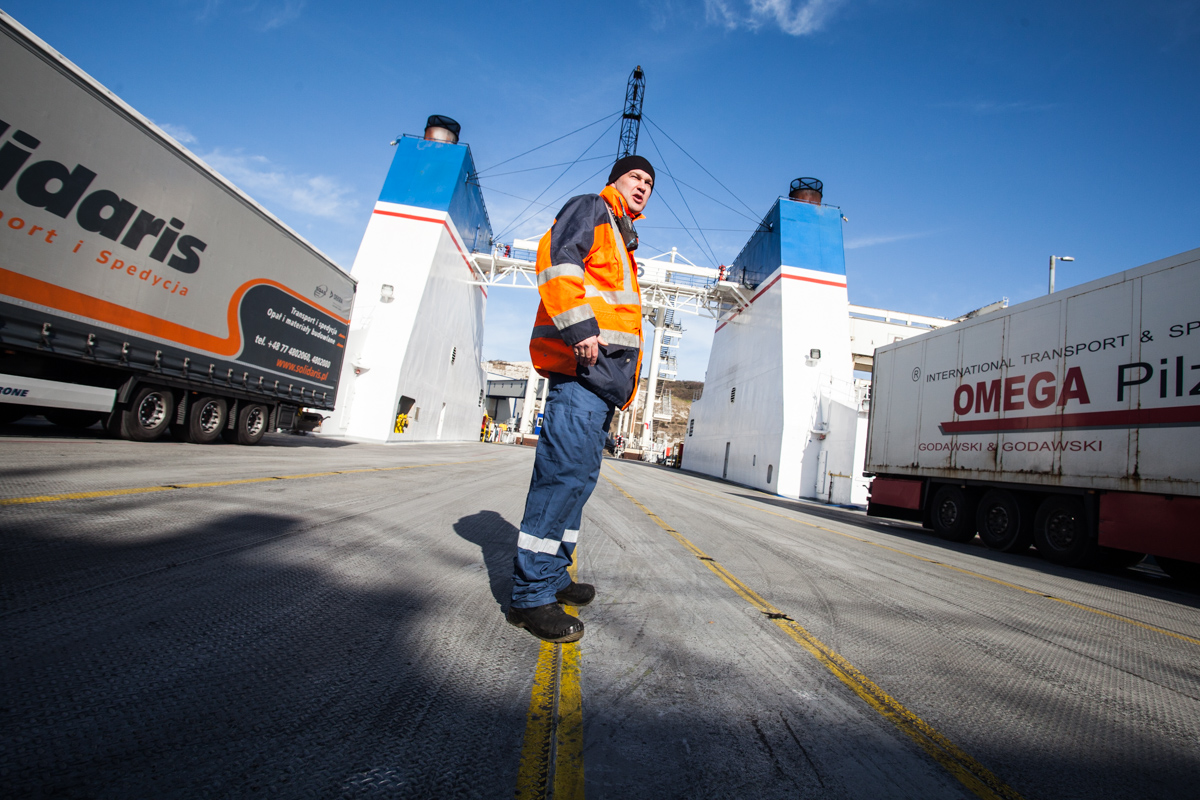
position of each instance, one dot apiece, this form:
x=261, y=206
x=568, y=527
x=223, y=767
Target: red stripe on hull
x=775, y=281
x=443, y=223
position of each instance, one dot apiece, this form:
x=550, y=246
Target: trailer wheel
x=1061, y=533
x=1004, y=522
x=251, y=425
x=206, y=419
x=953, y=515
x=149, y=415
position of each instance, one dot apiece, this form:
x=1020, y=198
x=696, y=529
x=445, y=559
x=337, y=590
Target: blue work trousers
x=565, y=468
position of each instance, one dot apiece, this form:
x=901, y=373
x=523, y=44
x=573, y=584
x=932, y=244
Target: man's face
x=635, y=186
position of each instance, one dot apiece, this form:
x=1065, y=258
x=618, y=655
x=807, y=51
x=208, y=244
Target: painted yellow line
x=533, y=774
x=51, y=498
x=1035, y=592
x=568, y=750
x=48, y=498
x=957, y=762
x=552, y=751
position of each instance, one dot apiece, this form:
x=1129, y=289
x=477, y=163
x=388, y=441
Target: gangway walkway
x=312, y=618
x=670, y=284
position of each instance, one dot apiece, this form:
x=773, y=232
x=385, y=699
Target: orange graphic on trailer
x=46, y=294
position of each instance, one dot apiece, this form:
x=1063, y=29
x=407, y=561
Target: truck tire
x=251, y=424
x=1004, y=522
x=72, y=419
x=1184, y=572
x=149, y=415
x=953, y=514
x=206, y=419
x=1062, y=534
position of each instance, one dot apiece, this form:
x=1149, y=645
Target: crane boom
x=631, y=120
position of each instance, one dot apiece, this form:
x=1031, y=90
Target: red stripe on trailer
x=1178, y=416
x=1151, y=523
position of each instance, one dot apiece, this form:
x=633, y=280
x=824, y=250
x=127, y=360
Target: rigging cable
x=547, y=166
x=698, y=164
x=513, y=224
x=552, y=141
x=685, y=228
x=688, y=206
x=556, y=200
x=673, y=177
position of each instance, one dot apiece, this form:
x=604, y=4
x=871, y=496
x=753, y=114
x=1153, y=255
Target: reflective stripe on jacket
x=588, y=284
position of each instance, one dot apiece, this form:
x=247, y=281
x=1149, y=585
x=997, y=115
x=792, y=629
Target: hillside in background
x=683, y=394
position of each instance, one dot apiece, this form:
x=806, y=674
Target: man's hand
x=588, y=350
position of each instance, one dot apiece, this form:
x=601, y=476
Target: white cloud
x=717, y=12
x=279, y=14
x=312, y=195
x=177, y=132
x=263, y=15
x=793, y=17
x=871, y=241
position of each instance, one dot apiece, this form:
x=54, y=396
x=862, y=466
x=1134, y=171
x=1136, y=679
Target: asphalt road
x=317, y=619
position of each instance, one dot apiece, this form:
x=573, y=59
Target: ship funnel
x=443, y=129
x=807, y=190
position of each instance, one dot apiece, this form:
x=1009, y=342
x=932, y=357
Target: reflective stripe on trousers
x=566, y=465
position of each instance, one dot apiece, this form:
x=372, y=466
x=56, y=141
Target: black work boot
x=577, y=594
x=548, y=623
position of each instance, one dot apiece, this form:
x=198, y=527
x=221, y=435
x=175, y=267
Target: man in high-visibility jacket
x=587, y=341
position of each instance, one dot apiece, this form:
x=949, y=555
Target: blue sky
x=965, y=142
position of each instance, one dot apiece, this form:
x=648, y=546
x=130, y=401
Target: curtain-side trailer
x=139, y=286
x=1071, y=422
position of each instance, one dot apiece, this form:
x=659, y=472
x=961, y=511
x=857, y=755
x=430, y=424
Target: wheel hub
x=1060, y=530
x=997, y=520
x=210, y=417
x=255, y=421
x=152, y=411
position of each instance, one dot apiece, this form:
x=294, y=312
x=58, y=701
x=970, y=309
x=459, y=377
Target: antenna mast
x=631, y=121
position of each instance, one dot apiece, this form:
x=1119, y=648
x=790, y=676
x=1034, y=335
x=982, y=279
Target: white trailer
x=139, y=285
x=1071, y=421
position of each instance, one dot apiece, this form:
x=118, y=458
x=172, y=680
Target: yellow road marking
x=552, y=751
x=51, y=498
x=957, y=762
x=568, y=751
x=533, y=775
x=1036, y=592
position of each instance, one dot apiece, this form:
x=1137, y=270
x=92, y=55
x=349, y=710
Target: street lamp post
x=1052, y=260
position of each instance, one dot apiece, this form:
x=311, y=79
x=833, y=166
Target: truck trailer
x=137, y=285
x=1070, y=422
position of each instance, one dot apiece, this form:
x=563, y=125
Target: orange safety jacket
x=587, y=280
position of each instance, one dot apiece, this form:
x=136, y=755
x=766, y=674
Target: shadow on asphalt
x=245, y=655
x=1145, y=578
x=496, y=538
x=313, y=653
x=38, y=428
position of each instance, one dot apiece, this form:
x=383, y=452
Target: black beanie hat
x=629, y=163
